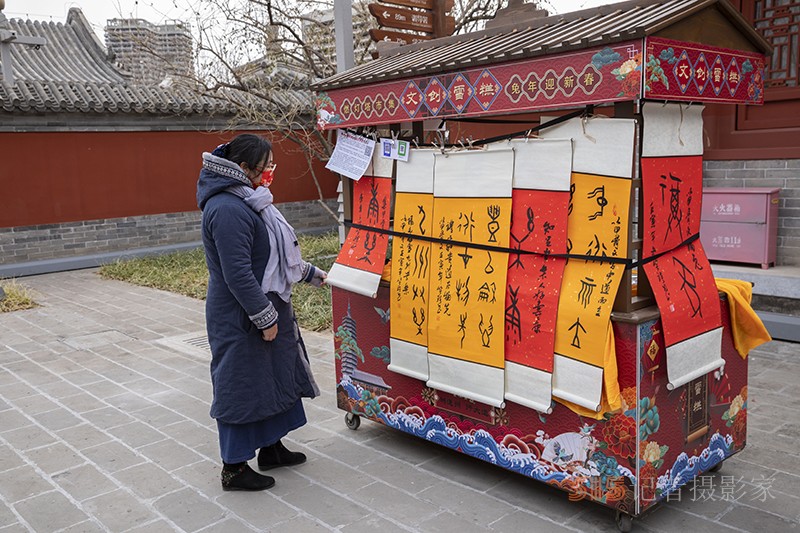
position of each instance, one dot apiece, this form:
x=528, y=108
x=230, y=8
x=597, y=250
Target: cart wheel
x=352, y=421
x=624, y=522
x=717, y=467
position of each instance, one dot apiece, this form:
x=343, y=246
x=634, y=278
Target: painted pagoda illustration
x=350, y=354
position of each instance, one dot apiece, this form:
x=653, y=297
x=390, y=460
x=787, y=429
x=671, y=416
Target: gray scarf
x=285, y=264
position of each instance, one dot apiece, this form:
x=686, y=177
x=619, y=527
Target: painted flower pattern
x=651, y=452
x=620, y=436
x=649, y=419
x=629, y=73
x=736, y=406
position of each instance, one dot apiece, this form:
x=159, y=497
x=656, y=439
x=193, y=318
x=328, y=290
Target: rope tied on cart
x=629, y=263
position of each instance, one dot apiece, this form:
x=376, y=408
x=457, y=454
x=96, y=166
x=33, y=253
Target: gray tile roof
x=533, y=38
x=72, y=73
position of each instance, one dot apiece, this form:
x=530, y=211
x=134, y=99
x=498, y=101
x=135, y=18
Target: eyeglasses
x=270, y=167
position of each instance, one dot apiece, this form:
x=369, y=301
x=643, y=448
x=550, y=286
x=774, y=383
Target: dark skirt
x=238, y=442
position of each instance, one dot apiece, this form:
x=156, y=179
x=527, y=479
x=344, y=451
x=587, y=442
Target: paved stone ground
x=104, y=426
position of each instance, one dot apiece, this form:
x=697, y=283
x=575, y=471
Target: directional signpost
x=424, y=20
x=402, y=18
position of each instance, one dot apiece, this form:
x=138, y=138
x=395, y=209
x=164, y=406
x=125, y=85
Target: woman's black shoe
x=277, y=455
x=242, y=477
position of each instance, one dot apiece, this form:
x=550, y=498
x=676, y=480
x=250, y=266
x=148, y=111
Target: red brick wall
x=53, y=177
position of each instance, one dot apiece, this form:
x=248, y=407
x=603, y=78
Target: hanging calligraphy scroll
x=540, y=199
x=472, y=205
x=411, y=265
x=360, y=262
x=598, y=226
x=681, y=276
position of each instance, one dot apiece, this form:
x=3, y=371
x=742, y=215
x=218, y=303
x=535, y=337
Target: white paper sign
x=351, y=156
x=394, y=149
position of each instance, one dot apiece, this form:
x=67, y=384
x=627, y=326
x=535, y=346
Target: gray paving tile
x=57, y=419
x=82, y=377
x=537, y=497
x=341, y=478
x=82, y=402
x=148, y=481
x=12, y=419
x=50, y=511
x=147, y=386
x=104, y=388
x=34, y=404
x=107, y=417
x=87, y=526
x=327, y=506
x=446, y=522
x=17, y=390
x=466, y=470
x=261, y=510
x=136, y=434
x=129, y=402
x=15, y=528
x=9, y=458
x=466, y=503
x=59, y=389
x=404, y=476
x=169, y=454
x=229, y=525
x=83, y=436
x=751, y=519
x=112, y=456
x=158, y=416
x=28, y=437
x=373, y=523
x=524, y=521
x=398, y=505
x=7, y=516
x=204, y=476
x=118, y=510
x=200, y=439
x=189, y=510
x=21, y=483
x=153, y=526
x=84, y=481
x=55, y=458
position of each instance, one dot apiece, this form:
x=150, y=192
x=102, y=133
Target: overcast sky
x=156, y=11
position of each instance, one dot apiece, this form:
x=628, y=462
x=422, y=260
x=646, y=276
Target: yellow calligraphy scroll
x=468, y=288
x=597, y=227
x=411, y=267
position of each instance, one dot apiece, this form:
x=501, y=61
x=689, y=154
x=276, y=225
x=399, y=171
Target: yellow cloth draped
x=747, y=329
x=611, y=399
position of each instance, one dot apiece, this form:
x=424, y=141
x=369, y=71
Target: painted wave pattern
x=687, y=468
x=479, y=444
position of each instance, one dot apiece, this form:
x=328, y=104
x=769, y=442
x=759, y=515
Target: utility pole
x=343, y=26
x=9, y=37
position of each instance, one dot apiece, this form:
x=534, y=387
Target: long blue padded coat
x=252, y=379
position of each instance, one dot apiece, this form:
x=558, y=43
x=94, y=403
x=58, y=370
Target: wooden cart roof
x=713, y=22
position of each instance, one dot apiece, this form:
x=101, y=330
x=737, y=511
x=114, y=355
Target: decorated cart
x=538, y=297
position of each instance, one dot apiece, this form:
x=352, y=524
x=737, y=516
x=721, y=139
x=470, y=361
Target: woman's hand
x=318, y=280
x=269, y=334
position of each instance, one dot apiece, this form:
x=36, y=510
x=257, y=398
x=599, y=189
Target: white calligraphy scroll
x=577, y=382
x=688, y=360
x=597, y=142
x=672, y=130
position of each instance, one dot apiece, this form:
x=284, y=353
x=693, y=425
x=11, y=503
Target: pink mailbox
x=740, y=224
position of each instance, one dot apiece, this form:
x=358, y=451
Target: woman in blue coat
x=259, y=366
